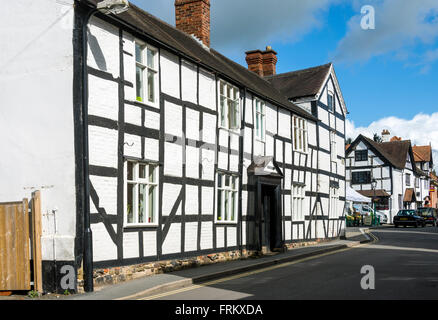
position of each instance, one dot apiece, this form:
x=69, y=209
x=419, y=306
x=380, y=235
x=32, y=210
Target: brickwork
x=193, y=17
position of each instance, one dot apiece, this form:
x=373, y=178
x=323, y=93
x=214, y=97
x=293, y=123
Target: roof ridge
x=285, y=74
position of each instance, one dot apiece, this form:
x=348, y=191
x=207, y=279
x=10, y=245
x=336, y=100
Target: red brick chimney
x=269, y=62
x=193, y=17
x=254, y=59
x=262, y=62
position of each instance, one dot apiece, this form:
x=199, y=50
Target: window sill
x=302, y=152
x=136, y=226
x=234, y=131
x=225, y=223
x=147, y=104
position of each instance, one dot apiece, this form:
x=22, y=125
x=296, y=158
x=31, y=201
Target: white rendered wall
x=36, y=115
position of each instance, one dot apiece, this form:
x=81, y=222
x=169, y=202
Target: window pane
x=152, y=173
x=151, y=58
x=130, y=203
x=152, y=198
x=151, y=86
x=262, y=127
x=139, y=83
x=233, y=205
x=227, y=181
x=223, y=112
x=226, y=205
x=222, y=88
x=235, y=95
x=219, y=180
x=142, y=171
x=130, y=171
x=142, y=203
x=138, y=53
x=233, y=183
x=257, y=125
x=228, y=92
x=230, y=113
x=295, y=138
x=219, y=204
x=235, y=115
x=300, y=140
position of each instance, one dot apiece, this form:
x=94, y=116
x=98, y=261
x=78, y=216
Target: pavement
x=158, y=284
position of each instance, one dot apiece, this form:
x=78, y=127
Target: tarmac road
x=405, y=261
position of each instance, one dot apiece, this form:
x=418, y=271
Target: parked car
x=383, y=217
x=408, y=218
x=430, y=215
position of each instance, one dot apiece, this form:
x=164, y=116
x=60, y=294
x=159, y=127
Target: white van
x=366, y=210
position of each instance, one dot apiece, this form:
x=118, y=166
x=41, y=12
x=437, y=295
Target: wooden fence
x=18, y=234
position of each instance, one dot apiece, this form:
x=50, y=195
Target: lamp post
x=106, y=7
x=373, y=186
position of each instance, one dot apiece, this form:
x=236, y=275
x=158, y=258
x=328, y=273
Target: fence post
x=36, y=241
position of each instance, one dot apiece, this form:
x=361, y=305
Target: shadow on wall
x=97, y=52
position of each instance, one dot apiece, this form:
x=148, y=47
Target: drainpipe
x=242, y=130
x=88, y=236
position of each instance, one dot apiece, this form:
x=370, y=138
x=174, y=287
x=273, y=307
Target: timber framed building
x=190, y=153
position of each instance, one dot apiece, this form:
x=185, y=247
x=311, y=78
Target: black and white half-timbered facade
x=189, y=153
x=400, y=182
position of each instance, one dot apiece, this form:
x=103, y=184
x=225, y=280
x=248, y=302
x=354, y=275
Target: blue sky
x=388, y=75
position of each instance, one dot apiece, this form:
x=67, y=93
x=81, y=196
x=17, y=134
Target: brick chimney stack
x=386, y=135
x=193, y=18
x=269, y=62
x=262, y=62
x=254, y=59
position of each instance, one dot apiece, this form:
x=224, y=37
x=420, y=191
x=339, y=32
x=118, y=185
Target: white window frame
x=145, y=71
x=334, y=201
x=333, y=147
x=137, y=181
x=229, y=97
x=260, y=120
x=229, y=191
x=300, y=134
x=297, y=202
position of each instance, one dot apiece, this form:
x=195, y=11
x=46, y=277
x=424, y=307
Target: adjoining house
x=189, y=153
x=400, y=171
x=433, y=193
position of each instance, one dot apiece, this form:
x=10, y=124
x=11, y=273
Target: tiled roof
x=409, y=195
x=301, y=83
x=370, y=193
x=186, y=45
x=395, y=152
x=422, y=153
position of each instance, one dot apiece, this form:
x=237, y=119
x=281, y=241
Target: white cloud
x=400, y=24
x=421, y=130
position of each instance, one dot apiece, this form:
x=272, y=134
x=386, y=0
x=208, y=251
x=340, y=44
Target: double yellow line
x=249, y=273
